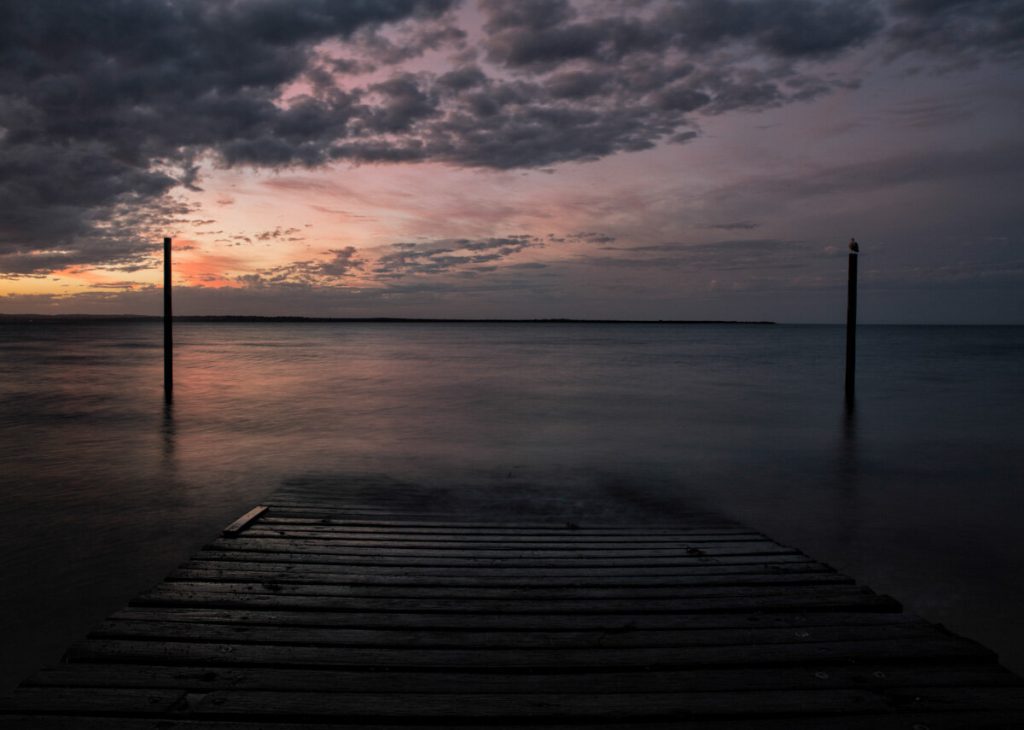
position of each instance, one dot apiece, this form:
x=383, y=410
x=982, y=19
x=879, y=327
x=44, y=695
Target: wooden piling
x=851, y=321
x=168, y=317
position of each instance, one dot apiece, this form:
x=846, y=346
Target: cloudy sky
x=538, y=158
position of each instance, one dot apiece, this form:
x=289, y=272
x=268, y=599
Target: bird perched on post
x=854, y=245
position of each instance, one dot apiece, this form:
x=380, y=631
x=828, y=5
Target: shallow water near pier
x=915, y=491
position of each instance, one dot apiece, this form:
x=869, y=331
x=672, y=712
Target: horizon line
x=73, y=317
x=300, y=318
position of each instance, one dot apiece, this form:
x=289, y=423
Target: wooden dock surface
x=401, y=607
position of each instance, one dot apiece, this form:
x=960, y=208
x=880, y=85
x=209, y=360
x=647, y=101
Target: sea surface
x=918, y=491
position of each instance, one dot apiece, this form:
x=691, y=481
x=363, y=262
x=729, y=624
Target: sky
x=630, y=159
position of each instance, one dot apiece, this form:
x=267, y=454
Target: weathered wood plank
x=370, y=707
x=608, y=623
x=503, y=660
x=558, y=523
x=558, y=552
x=796, y=599
x=499, y=542
x=484, y=595
x=452, y=536
x=687, y=704
x=554, y=531
x=302, y=577
x=397, y=638
x=489, y=517
x=499, y=514
x=111, y=701
x=529, y=566
x=554, y=527
x=381, y=503
x=823, y=675
x=968, y=720
x=732, y=566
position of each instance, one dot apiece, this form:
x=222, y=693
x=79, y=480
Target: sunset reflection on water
x=914, y=493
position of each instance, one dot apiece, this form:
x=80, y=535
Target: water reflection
x=168, y=439
x=848, y=440
x=847, y=476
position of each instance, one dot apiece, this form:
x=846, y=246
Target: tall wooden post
x=168, y=316
x=851, y=321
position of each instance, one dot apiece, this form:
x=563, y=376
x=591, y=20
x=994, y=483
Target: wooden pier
x=366, y=607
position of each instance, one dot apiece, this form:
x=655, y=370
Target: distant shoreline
x=24, y=318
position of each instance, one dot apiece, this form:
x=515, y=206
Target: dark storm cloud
x=404, y=259
x=787, y=28
x=407, y=41
x=590, y=237
x=397, y=265
x=962, y=30
x=324, y=272
x=280, y=234
x=125, y=286
x=107, y=107
x=394, y=262
x=550, y=32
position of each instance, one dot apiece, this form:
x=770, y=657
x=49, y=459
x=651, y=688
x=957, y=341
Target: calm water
x=918, y=493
